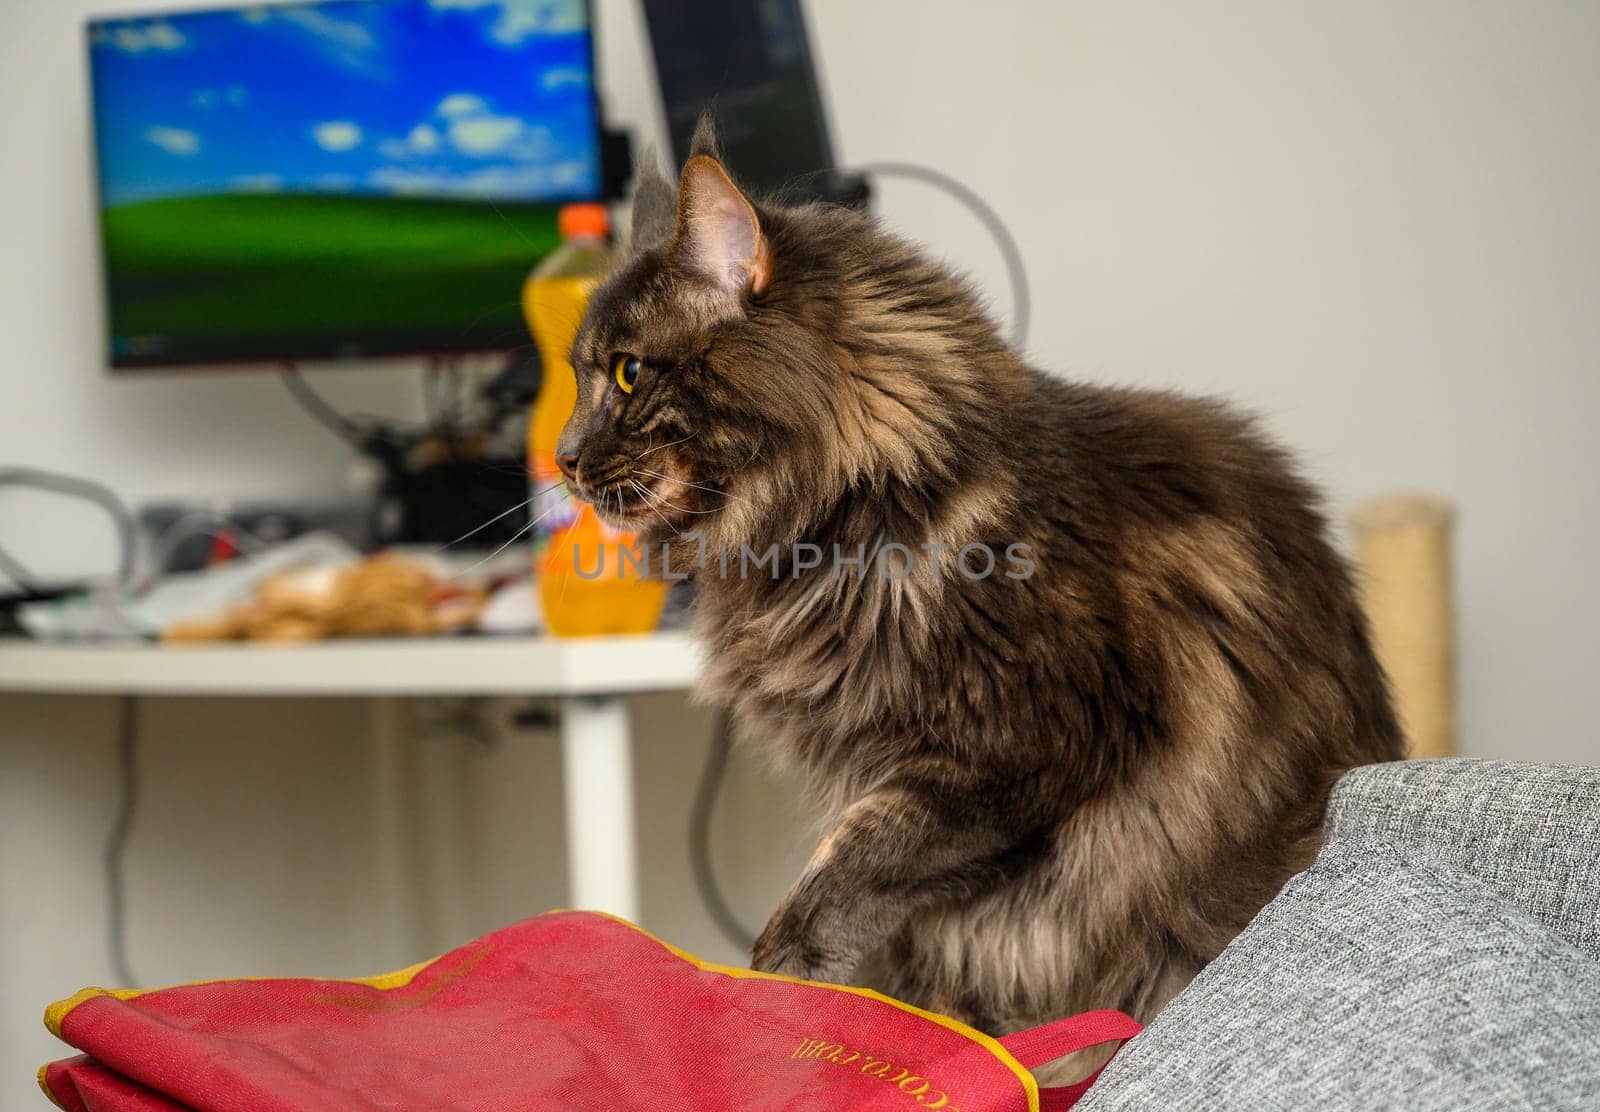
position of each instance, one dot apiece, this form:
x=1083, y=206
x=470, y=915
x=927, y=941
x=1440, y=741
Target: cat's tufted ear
x=704, y=140
x=655, y=206
x=719, y=234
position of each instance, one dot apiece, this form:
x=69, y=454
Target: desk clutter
x=379, y=596
x=318, y=587
x=308, y=588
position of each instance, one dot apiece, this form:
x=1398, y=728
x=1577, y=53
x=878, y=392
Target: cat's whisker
x=622, y=509
x=646, y=495
x=687, y=483
x=515, y=537
x=658, y=447
x=503, y=514
x=665, y=501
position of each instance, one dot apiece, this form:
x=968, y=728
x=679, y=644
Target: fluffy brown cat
x=1061, y=785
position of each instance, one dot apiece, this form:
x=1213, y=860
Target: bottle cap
x=585, y=221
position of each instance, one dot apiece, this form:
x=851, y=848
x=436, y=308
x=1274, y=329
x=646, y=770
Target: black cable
x=117, y=841
x=73, y=487
x=1016, y=271
x=18, y=572
x=315, y=404
x=430, y=397
x=705, y=801
x=359, y=429
x=456, y=407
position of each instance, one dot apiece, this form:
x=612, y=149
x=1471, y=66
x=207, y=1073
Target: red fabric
x=566, y=1011
x=1039, y=1045
x=78, y=1085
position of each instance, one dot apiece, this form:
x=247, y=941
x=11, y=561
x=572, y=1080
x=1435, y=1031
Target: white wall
x=1372, y=221
x=1375, y=221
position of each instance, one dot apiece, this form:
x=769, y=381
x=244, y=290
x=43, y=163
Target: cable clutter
x=70, y=486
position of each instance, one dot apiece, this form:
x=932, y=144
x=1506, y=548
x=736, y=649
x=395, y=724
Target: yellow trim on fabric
x=56, y=1013
x=400, y=978
x=1030, y=1084
x=46, y=1087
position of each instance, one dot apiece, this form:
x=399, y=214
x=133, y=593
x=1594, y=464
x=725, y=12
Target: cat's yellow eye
x=625, y=369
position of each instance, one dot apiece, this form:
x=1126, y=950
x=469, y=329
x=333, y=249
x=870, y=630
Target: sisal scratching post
x=1404, y=557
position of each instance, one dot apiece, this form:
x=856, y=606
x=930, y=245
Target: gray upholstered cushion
x=1378, y=979
x=1531, y=832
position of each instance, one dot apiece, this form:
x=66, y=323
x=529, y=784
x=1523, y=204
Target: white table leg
x=597, y=774
x=402, y=900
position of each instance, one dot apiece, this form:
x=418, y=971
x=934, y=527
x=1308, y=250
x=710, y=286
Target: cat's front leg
x=916, y=841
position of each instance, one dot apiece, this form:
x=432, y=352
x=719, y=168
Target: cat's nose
x=568, y=462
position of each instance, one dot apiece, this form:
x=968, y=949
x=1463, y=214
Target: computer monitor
x=344, y=178
x=749, y=61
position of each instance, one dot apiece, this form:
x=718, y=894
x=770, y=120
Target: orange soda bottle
x=619, y=599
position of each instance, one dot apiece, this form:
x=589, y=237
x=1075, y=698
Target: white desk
x=590, y=676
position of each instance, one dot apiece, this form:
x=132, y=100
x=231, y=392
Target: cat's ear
x=704, y=140
x=719, y=234
x=655, y=206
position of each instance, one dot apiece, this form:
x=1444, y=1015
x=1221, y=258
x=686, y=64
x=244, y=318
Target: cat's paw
x=776, y=951
x=783, y=949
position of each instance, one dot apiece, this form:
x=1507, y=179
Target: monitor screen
x=750, y=62
x=347, y=178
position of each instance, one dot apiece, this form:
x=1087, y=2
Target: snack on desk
x=382, y=596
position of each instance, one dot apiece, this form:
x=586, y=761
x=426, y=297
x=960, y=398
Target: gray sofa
x=1442, y=953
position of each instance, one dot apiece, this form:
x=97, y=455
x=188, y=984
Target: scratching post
x=1405, y=561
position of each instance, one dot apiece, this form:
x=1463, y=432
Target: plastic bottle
x=619, y=599
x=553, y=299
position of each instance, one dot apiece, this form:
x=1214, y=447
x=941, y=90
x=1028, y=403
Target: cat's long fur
x=1042, y=794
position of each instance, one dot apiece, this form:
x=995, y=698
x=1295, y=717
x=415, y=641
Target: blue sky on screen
x=460, y=98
